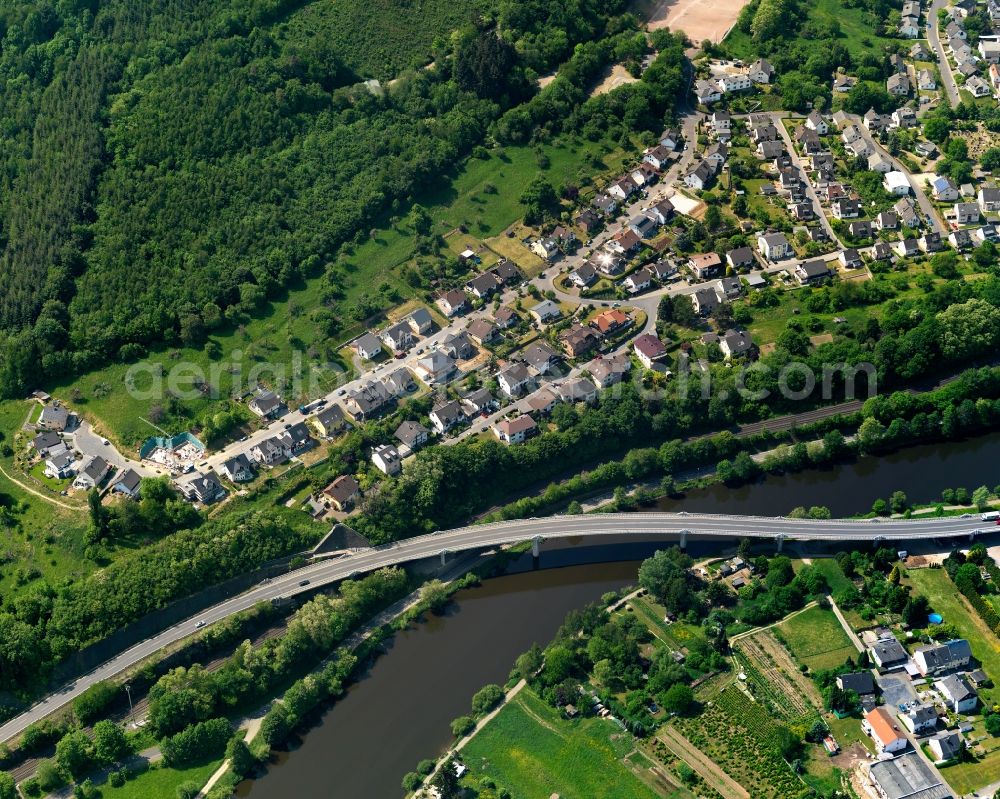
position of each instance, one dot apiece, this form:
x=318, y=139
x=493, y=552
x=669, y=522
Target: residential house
x=514, y=379
x=882, y=727
x=735, y=83
x=478, y=401
x=735, y=343
x=446, y=416
x=658, y=156
x=986, y=233
x=812, y=272
x=329, y=421
x=542, y=401
x=977, y=87
x=707, y=92
x=607, y=263
x=506, y=317
x=545, y=248
x=966, y=213
x=342, y=493
x=237, y=469
x=623, y=188
x=583, y=276
x=920, y=719
x=60, y=465
x=954, y=30
x=761, y=71
x=420, y=321
x=945, y=746
x=935, y=659
x=774, y=246
x=896, y=183
x=843, y=83
x=926, y=80
x=610, y=369
x=662, y=211
x=957, y=694
x=606, y=204
x=367, y=346
x=861, y=682
x=960, y=239
x=435, y=368
x=740, y=258
x=663, y=270
x=579, y=340
x=54, y=416
x=129, y=484
x=816, y=122
x=907, y=248
x=91, y=475
x=270, y=451
x=369, y=401
x=846, y=208
x=887, y=220
x=516, y=430
x=879, y=163
x=930, y=242
x=766, y=150
x=888, y=653
x=545, y=311
x=898, y=85
x=988, y=199
x=670, y=138
x=700, y=175
x=989, y=50
x=387, y=460
x=610, y=321
x=860, y=148
x=485, y=285
x=850, y=259
x=46, y=441
x=453, y=302
x=706, y=265
x=589, y=221
x=643, y=226
x=926, y=148
x=850, y=133
x=721, y=122
x=482, y=331
x=204, y=488
x=540, y=357
x=638, y=281
x=909, y=27
x=919, y=52
x=649, y=349
x=398, y=337
x=644, y=174
x=625, y=242
x=860, y=229
x=907, y=211
x=578, y=389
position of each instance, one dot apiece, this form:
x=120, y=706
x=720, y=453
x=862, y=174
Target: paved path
x=39, y=494
x=847, y=627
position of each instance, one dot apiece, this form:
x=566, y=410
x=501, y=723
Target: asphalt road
x=489, y=536
x=934, y=38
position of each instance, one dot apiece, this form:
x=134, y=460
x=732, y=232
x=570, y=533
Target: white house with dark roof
x=237, y=469
x=446, y=416
x=387, y=460
x=91, y=475
x=128, y=484
x=957, y=694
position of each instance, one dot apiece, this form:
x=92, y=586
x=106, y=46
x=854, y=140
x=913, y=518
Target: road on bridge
x=488, y=536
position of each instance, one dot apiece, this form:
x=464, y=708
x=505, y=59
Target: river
x=400, y=712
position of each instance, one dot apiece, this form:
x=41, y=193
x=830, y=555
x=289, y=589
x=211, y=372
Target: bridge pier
x=536, y=546
x=684, y=539
x=780, y=541
x=444, y=557
x=972, y=535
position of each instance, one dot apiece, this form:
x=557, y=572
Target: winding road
x=489, y=536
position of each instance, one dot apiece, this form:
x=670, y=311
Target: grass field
x=532, y=752
x=816, y=638
x=945, y=599
x=677, y=635
x=835, y=576
x=160, y=783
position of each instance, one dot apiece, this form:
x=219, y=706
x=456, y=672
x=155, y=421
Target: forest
x=169, y=166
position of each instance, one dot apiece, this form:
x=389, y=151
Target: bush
x=487, y=698
x=462, y=726
x=89, y=705
x=198, y=743
x=49, y=776
x=412, y=781
x=188, y=790
x=117, y=778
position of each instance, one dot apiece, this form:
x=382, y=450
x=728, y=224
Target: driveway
x=92, y=445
